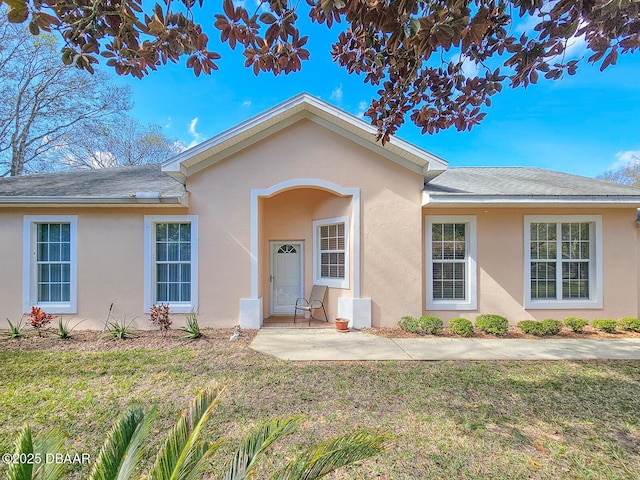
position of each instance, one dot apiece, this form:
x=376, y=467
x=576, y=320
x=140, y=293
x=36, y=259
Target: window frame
x=470, y=302
x=317, y=256
x=595, y=264
x=29, y=264
x=150, y=270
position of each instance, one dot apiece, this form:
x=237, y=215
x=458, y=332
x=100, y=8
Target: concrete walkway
x=328, y=344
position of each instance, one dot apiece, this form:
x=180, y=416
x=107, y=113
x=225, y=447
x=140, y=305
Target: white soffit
x=302, y=106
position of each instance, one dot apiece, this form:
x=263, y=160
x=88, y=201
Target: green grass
x=499, y=420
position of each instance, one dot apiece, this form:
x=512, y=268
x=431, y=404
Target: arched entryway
x=321, y=222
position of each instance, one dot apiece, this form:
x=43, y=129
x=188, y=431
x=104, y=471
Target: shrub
x=409, y=324
x=39, y=319
x=551, y=326
x=430, y=324
x=159, y=316
x=119, y=330
x=576, y=324
x=491, y=323
x=461, y=326
x=15, y=331
x=605, y=324
x=629, y=323
x=64, y=330
x=191, y=329
x=532, y=327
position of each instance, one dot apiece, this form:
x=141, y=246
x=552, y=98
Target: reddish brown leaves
x=437, y=61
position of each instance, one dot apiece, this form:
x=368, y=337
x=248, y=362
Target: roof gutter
x=131, y=200
x=522, y=200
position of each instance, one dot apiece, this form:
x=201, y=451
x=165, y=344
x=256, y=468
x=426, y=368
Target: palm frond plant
x=30, y=457
x=191, y=329
x=255, y=443
x=15, y=331
x=321, y=459
x=183, y=454
x=122, y=452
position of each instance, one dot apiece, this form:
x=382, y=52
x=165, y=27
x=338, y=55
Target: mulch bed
x=96, y=341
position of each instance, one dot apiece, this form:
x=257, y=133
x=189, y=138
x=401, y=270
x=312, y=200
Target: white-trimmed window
x=451, y=262
x=171, y=261
x=331, y=252
x=563, y=261
x=50, y=263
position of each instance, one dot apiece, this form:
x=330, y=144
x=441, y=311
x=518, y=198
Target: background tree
x=122, y=141
x=628, y=174
x=438, y=61
x=55, y=116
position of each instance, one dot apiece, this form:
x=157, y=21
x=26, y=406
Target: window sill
x=332, y=282
x=451, y=305
x=562, y=304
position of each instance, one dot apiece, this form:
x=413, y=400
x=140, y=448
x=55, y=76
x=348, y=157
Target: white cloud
x=168, y=123
x=362, y=107
x=246, y=103
x=196, y=137
x=336, y=95
x=625, y=158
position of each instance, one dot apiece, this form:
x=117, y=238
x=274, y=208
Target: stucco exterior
x=501, y=262
x=278, y=178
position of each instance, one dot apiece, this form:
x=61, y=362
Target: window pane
x=161, y=231
x=163, y=272
x=437, y=251
x=185, y=273
x=65, y=232
x=161, y=252
x=447, y=231
x=56, y=292
x=43, y=292
x=436, y=232
x=54, y=232
x=65, y=272
x=185, y=292
x=185, y=252
x=43, y=252
x=173, y=232
x=173, y=253
x=174, y=292
x=43, y=232
x=65, y=252
x=185, y=232
x=54, y=252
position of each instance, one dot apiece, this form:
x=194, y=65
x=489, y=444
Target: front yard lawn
x=498, y=420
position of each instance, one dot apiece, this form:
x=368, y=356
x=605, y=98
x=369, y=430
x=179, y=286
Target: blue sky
x=582, y=124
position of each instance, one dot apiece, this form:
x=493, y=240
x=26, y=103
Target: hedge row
x=498, y=325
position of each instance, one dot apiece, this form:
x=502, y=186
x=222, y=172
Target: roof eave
x=455, y=200
x=132, y=201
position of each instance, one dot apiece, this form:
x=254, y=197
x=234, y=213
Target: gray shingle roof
x=108, y=185
x=522, y=182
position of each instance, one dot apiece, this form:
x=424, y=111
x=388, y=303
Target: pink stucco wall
x=500, y=259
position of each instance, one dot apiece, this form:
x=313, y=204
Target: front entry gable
x=299, y=108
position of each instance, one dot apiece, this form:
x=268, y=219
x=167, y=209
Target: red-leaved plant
x=160, y=317
x=40, y=319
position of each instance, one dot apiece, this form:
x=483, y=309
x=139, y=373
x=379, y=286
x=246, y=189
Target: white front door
x=287, y=260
